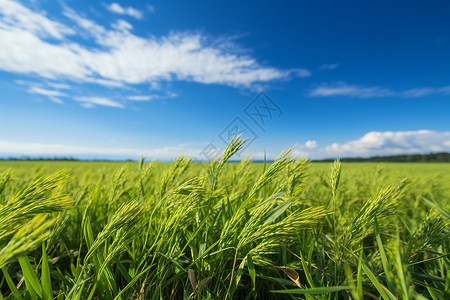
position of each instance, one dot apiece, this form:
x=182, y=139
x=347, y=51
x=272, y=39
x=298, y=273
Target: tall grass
x=223, y=230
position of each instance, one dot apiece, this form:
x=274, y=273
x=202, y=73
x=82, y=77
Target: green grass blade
x=31, y=280
x=384, y=260
x=306, y=270
x=11, y=284
x=318, y=290
x=131, y=283
x=377, y=284
x=277, y=211
x=47, y=290
x=251, y=270
x=359, y=279
x=435, y=295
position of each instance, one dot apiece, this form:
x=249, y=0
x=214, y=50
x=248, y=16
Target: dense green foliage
x=288, y=229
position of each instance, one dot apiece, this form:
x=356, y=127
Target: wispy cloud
x=45, y=92
x=17, y=17
x=329, y=66
x=358, y=91
x=92, y=101
x=141, y=98
x=61, y=86
x=130, y=11
x=51, y=94
x=343, y=89
x=301, y=72
x=122, y=25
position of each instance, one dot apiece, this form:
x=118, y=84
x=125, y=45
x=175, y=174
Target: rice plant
x=224, y=230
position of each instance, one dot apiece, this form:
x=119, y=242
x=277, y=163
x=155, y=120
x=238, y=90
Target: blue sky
x=101, y=79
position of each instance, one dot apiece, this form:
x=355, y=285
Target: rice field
x=290, y=229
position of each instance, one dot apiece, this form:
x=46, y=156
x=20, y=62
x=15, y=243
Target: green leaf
x=31, y=280
x=306, y=270
x=251, y=270
x=276, y=212
x=359, y=286
x=318, y=290
x=384, y=260
x=400, y=272
x=235, y=282
x=377, y=285
x=435, y=295
x=281, y=281
x=46, y=282
x=11, y=284
x=130, y=284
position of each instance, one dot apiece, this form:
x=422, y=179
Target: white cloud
x=343, y=89
x=329, y=66
x=419, y=92
x=298, y=150
x=297, y=153
x=45, y=92
x=445, y=90
x=116, y=57
x=27, y=53
x=130, y=11
x=141, y=98
x=122, y=25
x=90, y=102
x=311, y=144
x=357, y=91
x=50, y=91
x=61, y=86
x=391, y=143
x=51, y=94
x=300, y=72
x=90, y=26
x=40, y=46
x=18, y=17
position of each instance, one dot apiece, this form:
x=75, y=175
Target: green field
x=288, y=229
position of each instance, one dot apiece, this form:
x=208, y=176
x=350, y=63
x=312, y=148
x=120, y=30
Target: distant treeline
x=431, y=157
x=41, y=158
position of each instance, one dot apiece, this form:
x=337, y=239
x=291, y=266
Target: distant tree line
x=41, y=158
x=431, y=157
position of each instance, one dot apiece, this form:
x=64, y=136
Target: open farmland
x=236, y=230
